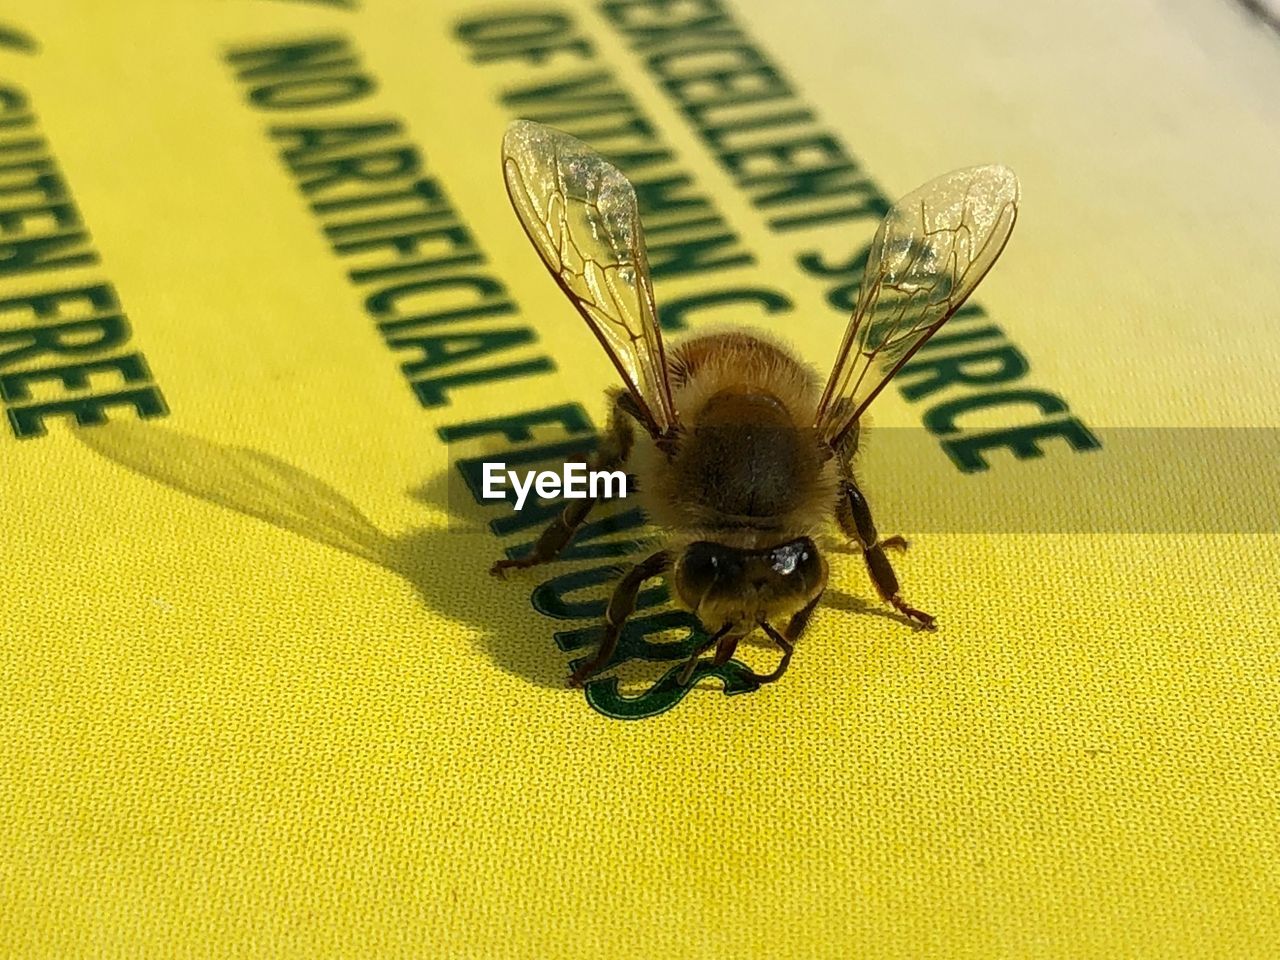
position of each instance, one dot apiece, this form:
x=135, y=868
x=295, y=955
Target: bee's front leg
x=682, y=678
x=621, y=605
x=787, y=647
x=855, y=518
x=786, y=641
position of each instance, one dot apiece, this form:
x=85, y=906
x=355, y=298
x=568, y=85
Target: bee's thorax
x=748, y=465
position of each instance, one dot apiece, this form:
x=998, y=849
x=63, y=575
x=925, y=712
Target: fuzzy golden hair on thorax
x=749, y=471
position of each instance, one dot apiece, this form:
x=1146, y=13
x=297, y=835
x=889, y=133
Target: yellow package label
x=266, y=314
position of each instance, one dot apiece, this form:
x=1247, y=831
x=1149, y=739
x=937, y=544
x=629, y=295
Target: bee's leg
x=682, y=678
x=787, y=643
x=621, y=606
x=554, y=539
x=614, y=448
x=855, y=517
x=727, y=647
x=787, y=648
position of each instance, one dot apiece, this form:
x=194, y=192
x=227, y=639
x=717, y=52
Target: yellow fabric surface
x=259, y=696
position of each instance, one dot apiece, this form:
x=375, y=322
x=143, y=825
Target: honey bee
x=740, y=457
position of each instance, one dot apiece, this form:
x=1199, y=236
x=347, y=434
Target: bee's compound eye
x=797, y=556
x=702, y=564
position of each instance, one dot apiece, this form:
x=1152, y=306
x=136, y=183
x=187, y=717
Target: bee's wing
x=580, y=212
x=932, y=249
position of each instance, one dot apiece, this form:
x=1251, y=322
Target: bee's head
x=726, y=585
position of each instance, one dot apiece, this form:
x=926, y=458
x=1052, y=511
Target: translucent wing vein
x=580, y=213
x=933, y=248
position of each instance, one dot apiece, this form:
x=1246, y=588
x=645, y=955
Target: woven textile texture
x=259, y=696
